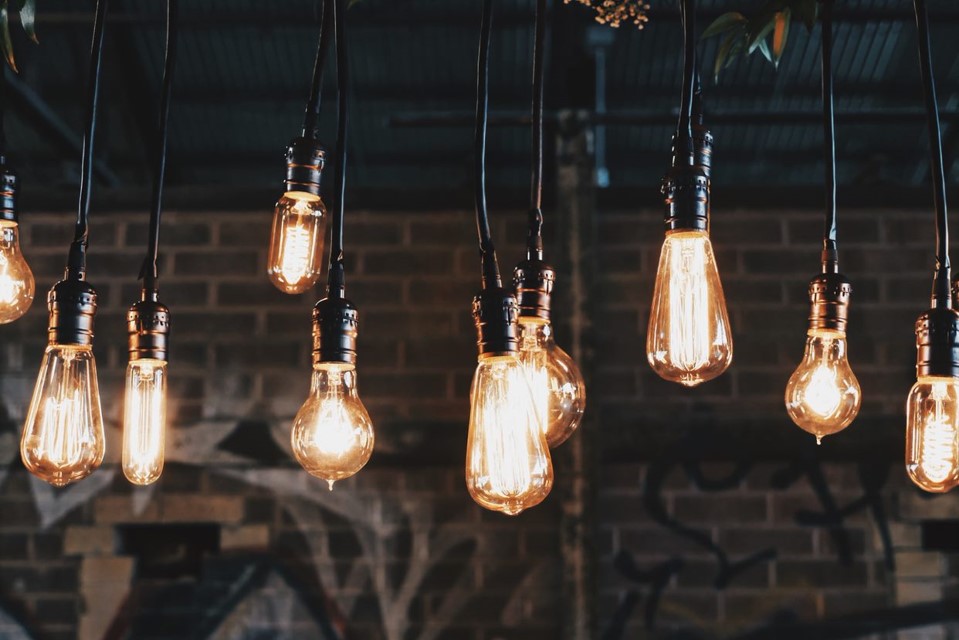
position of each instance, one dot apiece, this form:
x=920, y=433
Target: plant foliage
x=765, y=31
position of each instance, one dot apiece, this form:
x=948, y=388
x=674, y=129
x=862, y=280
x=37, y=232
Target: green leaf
x=28, y=18
x=780, y=33
x=724, y=53
x=764, y=49
x=758, y=34
x=724, y=23
x=5, y=41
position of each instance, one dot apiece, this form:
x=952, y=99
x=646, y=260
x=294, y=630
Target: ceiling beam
x=48, y=122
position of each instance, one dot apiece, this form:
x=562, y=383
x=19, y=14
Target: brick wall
x=713, y=514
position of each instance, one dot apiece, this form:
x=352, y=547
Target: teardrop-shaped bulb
x=16, y=278
x=689, y=339
x=62, y=437
x=508, y=466
x=332, y=434
x=932, y=433
x=296, y=242
x=559, y=391
x=823, y=395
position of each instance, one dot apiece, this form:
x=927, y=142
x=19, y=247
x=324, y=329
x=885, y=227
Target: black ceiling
x=245, y=65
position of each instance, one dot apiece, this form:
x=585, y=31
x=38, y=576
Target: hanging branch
x=765, y=30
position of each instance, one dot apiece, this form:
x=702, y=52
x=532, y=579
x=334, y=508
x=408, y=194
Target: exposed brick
x=721, y=508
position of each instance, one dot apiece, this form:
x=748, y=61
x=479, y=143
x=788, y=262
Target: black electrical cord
x=148, y=272
x=684, y=129
x=491, y=277
x=534, y=243
x=76, y=262
x=3, y=104
x=830, y=256
x=336, y=282
x=941, y=296
x=312, y=114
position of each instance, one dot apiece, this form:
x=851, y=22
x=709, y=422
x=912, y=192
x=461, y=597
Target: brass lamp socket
x=72, y=305
x=829, y=301
x=495, y=312
x=937, y=343
x=334, y=331
x=9, y=184
x=533, y=283
x=148, y=330
x=686, y=190
x=305, y=159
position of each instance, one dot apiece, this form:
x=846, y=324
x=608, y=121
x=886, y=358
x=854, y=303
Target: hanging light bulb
x=823, y=395
x=689, y=339
x=16, y=278
x=62, y=438
x=559, y=391
x=299, y=221
x=145, y=397
x=332, y=434
x=932, y=409
x=508, y=465
x=932, y=433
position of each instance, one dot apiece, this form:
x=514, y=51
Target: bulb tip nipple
x=818, y=440
x=330, y=483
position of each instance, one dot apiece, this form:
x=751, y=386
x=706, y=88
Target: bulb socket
x=829, y=301
x=686, y=190
x=937, y=343
x=148, y=330
x=305, y=159
x=495, y=312
x=9, y=186
x=72, y=305
x=533, y=283
x=334, y=331
x=702, y=148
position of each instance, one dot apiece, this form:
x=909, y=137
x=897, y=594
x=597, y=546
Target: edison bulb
x=296, y=241
x=689, y=339
x=559, y=392
x=332, y=432
x=16, y=279
x=508, y=466
x=144, y=420
x=63, y=435
x=823, y=395
x=932, y=433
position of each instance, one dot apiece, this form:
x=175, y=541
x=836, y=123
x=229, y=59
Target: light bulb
x=296, y=241
x=144, y=420
x=823, y=395
x=332, y=432
x=16, y=279
x=508, y=466
x=689, y=339
x=932, y=433
x=63, y=435
x=559, y=392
